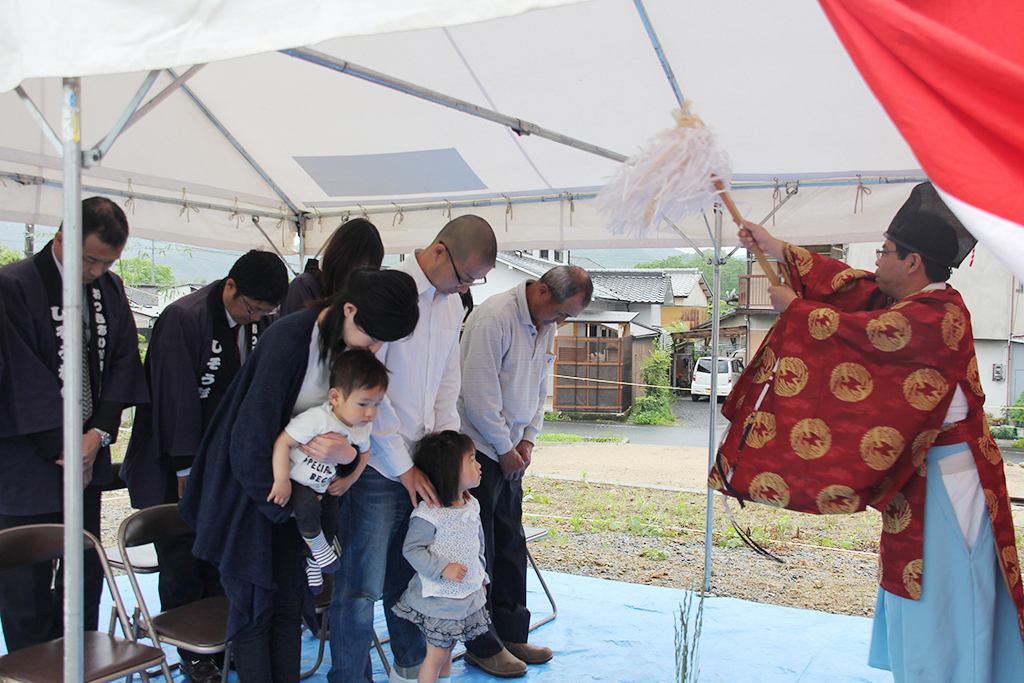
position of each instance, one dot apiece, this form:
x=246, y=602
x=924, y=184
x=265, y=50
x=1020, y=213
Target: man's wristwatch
x=104, y=437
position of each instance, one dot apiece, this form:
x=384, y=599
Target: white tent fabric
x=771, y=79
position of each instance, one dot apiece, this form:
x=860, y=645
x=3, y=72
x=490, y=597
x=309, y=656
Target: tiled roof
x=536, y=267
x=584, y=263
x=636, y=285
x=140, y=297
x=683, y=280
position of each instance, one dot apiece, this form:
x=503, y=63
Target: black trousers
x=315, y=512
x=184, y=578
x=501, y=513
x=270, y=652
x=32, y=597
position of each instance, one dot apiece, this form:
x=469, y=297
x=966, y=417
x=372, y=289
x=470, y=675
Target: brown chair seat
x=106, y=658
x=198, y=626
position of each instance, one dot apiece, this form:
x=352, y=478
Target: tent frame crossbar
x=174, y=86
x=518, y=126
x=237, y=145
x=95, y=155
x=48, y=131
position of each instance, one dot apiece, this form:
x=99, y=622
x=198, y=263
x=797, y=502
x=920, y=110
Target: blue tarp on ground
x=624, y=633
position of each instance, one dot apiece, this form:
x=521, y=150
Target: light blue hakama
x=964, y=627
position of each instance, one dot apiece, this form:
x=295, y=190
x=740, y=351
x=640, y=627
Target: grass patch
x=576, y=438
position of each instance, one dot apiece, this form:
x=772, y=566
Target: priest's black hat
x=925, y=225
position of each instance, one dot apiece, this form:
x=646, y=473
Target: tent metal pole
x=712, y=441
x=661, y=54
x=163, y=95
x=71, y=260
x=237, y=145
x=518, y=126
x=40, y=119
x=256, y=222
x=96, y=154
x=685, y=238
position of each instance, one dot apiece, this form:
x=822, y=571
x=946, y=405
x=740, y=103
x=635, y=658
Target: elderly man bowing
x=506, y=356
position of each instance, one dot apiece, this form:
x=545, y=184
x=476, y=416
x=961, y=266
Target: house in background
x=147, y=301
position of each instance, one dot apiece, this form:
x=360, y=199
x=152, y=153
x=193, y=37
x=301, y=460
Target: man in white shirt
x=506, y=357
x=421, y=397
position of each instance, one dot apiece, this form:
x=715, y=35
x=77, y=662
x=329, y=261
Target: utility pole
x=30, y=239
x=152, y=262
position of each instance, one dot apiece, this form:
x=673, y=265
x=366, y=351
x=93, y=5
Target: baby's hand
x=280, y=492
x=454, y=571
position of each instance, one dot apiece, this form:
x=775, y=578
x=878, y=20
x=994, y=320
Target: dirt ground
x=636, y=513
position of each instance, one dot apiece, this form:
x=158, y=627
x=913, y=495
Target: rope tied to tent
x=508, y=211
x=572, y=205
x=366, y=216
x=186, y=208
x=776, y=199
x=448, y=209
x=236, y=216
x=859, y=196
x=281, y=226
x=129, y=203
x=398, y=216
x=319, y=218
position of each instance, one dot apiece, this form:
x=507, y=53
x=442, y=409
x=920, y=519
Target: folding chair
x=145, y=561
x=533, y=534
x=322, y=632
x=199, y=626
x=105, y=656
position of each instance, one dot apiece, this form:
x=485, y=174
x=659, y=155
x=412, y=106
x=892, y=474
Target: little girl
x=445, y=546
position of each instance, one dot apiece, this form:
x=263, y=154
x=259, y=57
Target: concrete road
x=692, y=430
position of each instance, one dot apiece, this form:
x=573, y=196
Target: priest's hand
x=752, y=232
x=330, y=448
x=415, y=482
x=512, y=464
x=782, y=296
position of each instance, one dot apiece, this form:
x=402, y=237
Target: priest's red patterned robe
x=857, y=389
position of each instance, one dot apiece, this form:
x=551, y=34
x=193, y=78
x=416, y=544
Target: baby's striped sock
x=323, y=553
x=314, y=577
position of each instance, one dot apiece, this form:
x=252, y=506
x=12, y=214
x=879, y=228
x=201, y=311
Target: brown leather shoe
x=529, y=653
x=503, y=665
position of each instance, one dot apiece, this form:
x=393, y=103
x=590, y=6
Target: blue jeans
x=374, y=521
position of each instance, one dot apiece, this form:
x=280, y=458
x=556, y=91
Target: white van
x=729, y=370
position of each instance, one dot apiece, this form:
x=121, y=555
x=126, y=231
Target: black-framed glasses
x=256, y=312
x=465, y=282
x=879, y=253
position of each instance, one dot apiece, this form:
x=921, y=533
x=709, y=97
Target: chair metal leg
x=547, y=591
x=380, y=651
x=322, y=635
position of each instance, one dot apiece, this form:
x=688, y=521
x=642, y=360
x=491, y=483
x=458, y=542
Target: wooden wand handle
x=738, y=219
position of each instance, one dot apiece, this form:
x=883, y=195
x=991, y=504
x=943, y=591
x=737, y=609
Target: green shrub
x=1004, y=433
x=655, y=406
x=1016, y=413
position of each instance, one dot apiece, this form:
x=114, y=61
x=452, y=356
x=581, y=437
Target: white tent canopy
x=772, y=80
